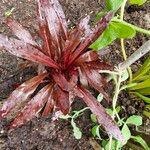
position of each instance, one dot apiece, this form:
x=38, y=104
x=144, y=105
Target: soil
x=43, y=133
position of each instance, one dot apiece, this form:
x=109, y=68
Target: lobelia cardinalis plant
x=66, y=67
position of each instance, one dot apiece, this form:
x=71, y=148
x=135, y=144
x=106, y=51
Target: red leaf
x=26, y=51
x=98, y=65
x=73, y=77
x=49, y=104
x=87, y=57
x=52, y=11
x=96, y=32
x=20, y=32
x=15, y=85
x=82, y=77
x=48, y=47
x=62, y=81
x=32, y=108
x=71, y=44
x=21, y=94
x=41, y=69
x=62, y=100
x=84, y=26
x=75, y=38
x=103, y=118
x=96, y=81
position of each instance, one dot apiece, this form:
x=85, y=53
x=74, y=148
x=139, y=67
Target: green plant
x=119, y=76
x=114, y=144
x=118, y=28
x=141, y=79
x=76, y=131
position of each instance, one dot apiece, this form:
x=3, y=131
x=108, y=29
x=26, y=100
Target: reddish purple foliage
x=66, y=67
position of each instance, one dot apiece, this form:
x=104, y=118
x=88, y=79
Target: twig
x=144, y=49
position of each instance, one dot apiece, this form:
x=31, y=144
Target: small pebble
x=2, y=131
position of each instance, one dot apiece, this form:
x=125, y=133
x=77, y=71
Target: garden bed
x=43, y=133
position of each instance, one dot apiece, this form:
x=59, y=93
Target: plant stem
x=125, y=57
x=121, y=19
x=109, y=72
x=122, y=9
x=145, y=48
x=117, y=90
x=123, y=49
x=122, y=40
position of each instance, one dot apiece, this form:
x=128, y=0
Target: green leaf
x=138, y=2
x=113, y=5
x=144, y=91
x=109, y=111
x=143, y=77
x=142, y=85
x=101, y=14
x=139, y=140
x=93, y=118
x=108, y=36
x=114, y=30
x=124, y=76
x=104, y=142
x=113, y=145
x=135, y=120
x=128, y=86
x=76, y=131
x=144, y=98
x=145, y=68
x=126, y=133
x=147, y=107
x=95, y=131
x=100, y=97
x=146, y=113
x=123, y=31
x=118, y=109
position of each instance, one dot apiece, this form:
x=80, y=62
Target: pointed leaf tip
x=54, y=17
x=27, y=51
x=21, y=94
x=103, y=118
x=32, y=108
x=92, y=37
x=20, y=31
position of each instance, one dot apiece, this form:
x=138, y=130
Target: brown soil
x=43, y=133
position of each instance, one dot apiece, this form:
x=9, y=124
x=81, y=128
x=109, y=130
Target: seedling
x=9, y=12
x=112, y=144
x=76, y=131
